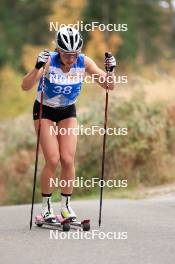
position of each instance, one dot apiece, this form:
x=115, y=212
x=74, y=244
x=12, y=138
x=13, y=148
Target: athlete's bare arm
x=31, y=78
x=98, y=74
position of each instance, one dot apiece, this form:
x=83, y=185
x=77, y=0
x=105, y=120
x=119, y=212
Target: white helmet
x=68, y=39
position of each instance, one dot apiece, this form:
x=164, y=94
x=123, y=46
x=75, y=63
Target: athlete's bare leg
x=50, y=148
x=67, y=149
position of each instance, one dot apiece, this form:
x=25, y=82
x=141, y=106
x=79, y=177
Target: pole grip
x=107, y=55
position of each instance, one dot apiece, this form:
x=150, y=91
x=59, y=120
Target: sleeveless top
x=62, y=89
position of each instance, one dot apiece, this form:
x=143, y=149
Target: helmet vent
x=70, y=32
x=65, y=37
x=79, y=44
x=71, y=41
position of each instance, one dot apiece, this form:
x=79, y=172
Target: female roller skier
x=60, y=95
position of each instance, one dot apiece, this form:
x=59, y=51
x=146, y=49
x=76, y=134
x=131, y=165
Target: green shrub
x=145, y=156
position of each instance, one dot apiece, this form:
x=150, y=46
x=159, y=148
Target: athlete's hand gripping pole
x=37, y=146
x=107, y=56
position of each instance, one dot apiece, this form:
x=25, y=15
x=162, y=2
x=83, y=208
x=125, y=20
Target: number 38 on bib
x=62, y=90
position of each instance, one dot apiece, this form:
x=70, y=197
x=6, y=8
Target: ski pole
x=107, y=55
x=37, y=146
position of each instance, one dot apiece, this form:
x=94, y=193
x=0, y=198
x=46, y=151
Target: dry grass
x=159, y=90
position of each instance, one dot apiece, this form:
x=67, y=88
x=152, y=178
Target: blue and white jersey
x=62, y=89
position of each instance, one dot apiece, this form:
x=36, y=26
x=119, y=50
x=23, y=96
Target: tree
x=144, y=19
x=22, y=21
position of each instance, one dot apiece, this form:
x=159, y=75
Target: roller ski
x=64, y=224
x=67, y=214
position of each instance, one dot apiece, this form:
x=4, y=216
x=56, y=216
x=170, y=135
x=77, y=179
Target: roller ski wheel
x=66, y=227
x=39, y=225
x=86, y=225
x=39, y=220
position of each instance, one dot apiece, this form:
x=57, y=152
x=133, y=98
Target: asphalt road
x=148, y=225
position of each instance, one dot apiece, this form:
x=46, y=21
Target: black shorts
x=54, y=114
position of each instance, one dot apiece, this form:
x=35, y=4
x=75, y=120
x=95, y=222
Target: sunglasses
x=68, y=55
